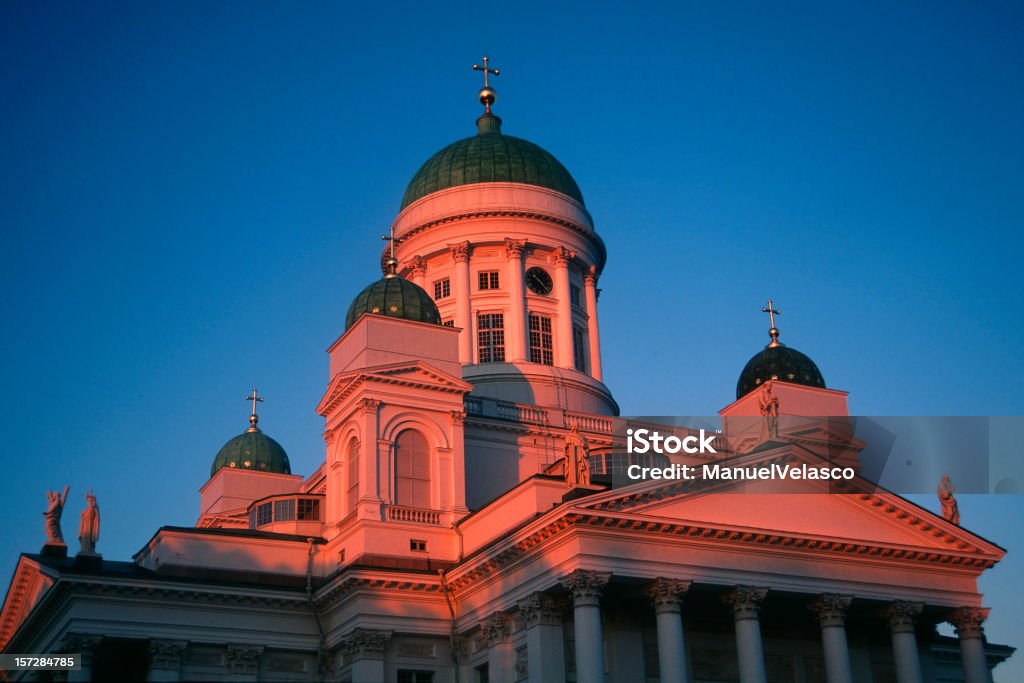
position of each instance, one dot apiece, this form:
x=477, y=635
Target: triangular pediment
x=29, y=585
x=415, y=374
x=861, y=518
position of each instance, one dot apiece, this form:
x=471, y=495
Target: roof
x=490, y=157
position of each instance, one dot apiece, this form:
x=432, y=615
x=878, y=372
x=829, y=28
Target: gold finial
x=254, y=418
x=487, y=94
x=773, y=332
x=392, y=262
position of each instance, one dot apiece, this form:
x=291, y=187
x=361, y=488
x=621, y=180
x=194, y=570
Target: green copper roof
x=252, y=450
x=396, y=297
x=490, y=157
x=782, y=363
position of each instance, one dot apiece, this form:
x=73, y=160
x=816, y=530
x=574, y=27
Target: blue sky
x=191, y=194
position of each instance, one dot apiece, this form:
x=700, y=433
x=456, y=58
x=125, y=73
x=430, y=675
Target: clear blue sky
x=191, y=194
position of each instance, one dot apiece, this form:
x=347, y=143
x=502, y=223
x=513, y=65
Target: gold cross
x=487, y=70
x=774, y=331
x=255, y=398
x=771, y=311
x=392, y=239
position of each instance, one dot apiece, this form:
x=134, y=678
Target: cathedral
x=471, y=520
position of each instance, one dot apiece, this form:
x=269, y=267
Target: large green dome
x=782, y=363
x=397, y=297
x=490, y=157
x=252, y=450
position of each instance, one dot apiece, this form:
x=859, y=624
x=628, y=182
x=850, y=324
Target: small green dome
x=252, y=450
x=397, y=297
x=782, y=363
x=490, y=157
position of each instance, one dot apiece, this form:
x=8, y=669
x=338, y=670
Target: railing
x=398, y=513
x=589, y=423
x=474, y=406
x=521, y=413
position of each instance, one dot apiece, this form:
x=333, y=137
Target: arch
x=412, y=469
x=432, y=431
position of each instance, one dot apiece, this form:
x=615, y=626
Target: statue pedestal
x=89, y=560
x=54, y=550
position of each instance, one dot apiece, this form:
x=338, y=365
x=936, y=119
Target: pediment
x=864, y=519
x=28, y=586
x=415, y=374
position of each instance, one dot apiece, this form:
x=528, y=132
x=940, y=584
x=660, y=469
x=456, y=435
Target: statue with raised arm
x=54, y=536
x=89, y=526
x=950, y=510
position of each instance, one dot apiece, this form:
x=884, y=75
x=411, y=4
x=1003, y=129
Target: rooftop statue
x=950, y=510
x=89, y=526
x=52, y=515
x=577, y=459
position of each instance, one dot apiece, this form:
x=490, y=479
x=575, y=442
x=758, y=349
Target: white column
x=545, y=642
x=365, y=649
x=831, y=611
x=745, y=602
x=373, y=450
x=515, y=334
x=563, y=336
x=418, y=270
x=593, y=333
x=79, y=644
x=586, y=587
x=667, y=596
x=500, y=657
x=463, y=295
x=968, y=621
x=165, y=660
x=903, y=624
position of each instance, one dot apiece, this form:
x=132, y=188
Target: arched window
x=412, y=470
x=352, y=496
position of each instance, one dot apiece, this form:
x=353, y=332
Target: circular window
x=538, y=280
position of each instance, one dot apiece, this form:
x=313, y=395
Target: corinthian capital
x=968, y=621
x=902, y=615
x=590, y=276
x=365, y=642
x=667, y=594
x=460, y=252
x=541, y=609
x=563, y=256
x=831, y=609
x=586, y=586
x=495, y=628
x=745, y=601
x=514, y=248
x=369, y=405
x=418, y=265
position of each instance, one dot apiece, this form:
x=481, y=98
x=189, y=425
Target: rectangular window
x=284, y=510
x=579, y=354
x=353, y=477
x=442, y=289
x=309, y=508
x=409, y=676
x=448, y=323
x=417, y=545
x=540, y=340
x=490, y=336
x=264, y=514
x=574, y=295
x=488, y=279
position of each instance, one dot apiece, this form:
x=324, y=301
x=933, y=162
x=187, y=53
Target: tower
x=495, y=229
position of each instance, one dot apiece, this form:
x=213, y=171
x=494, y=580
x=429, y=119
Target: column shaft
x=515, y=339
x=745, y=602
x=586, y=588
x=902, y=621
x=968, y=622
x=593, y=334
x=831, y=611
x=463, y=307
x=563, y=340
x=671, y=647
x=545, y=639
